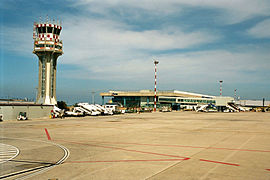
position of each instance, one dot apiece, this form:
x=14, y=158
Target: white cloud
x=237, y=10
x=261, y=30
x=231, y=11
x=17, y=40
x=106, y=49
x=208, y=66
x=205, y=66
x=91, y=42
x=193, y=67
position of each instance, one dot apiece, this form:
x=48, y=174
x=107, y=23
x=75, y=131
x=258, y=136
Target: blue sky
x=111, y=45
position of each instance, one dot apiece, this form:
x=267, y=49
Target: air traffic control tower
x=48, y=47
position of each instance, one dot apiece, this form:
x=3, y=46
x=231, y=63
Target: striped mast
x=155, y=100
x=220, y=88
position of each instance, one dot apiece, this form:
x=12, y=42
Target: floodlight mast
x=220, y=87
x=155, y=100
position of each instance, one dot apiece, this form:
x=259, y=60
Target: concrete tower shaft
x=48, y=47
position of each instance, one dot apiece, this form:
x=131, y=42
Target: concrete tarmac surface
x=172, y=145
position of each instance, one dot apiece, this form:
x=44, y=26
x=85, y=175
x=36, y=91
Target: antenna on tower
x=47, y=19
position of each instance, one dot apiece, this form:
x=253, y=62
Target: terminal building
x=174, y=99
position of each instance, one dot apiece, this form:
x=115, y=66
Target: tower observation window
x=39, y=45
x=43, y=29
x=54, y=30
x=39, y=29
x=58, y=47
x=49, y=29
x=48, y=45
x=58, y=31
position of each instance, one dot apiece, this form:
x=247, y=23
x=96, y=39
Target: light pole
x=93, y=97
x=155, y=100
x=220, y=88
x=235, y=98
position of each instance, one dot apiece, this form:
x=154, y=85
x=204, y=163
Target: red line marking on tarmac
x=130, y=150
x=220, y=162
x=268, y=169
x=142, y=144
x=48, y=135
x=179, y=158
x=137, y=160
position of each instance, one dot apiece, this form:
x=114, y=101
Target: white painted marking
x=226, y=158
x=8, y=152
x=66, y=155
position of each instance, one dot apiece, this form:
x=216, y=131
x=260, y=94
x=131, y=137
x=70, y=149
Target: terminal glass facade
x=127, y=101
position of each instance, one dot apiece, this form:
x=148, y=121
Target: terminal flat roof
x=172, y=93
